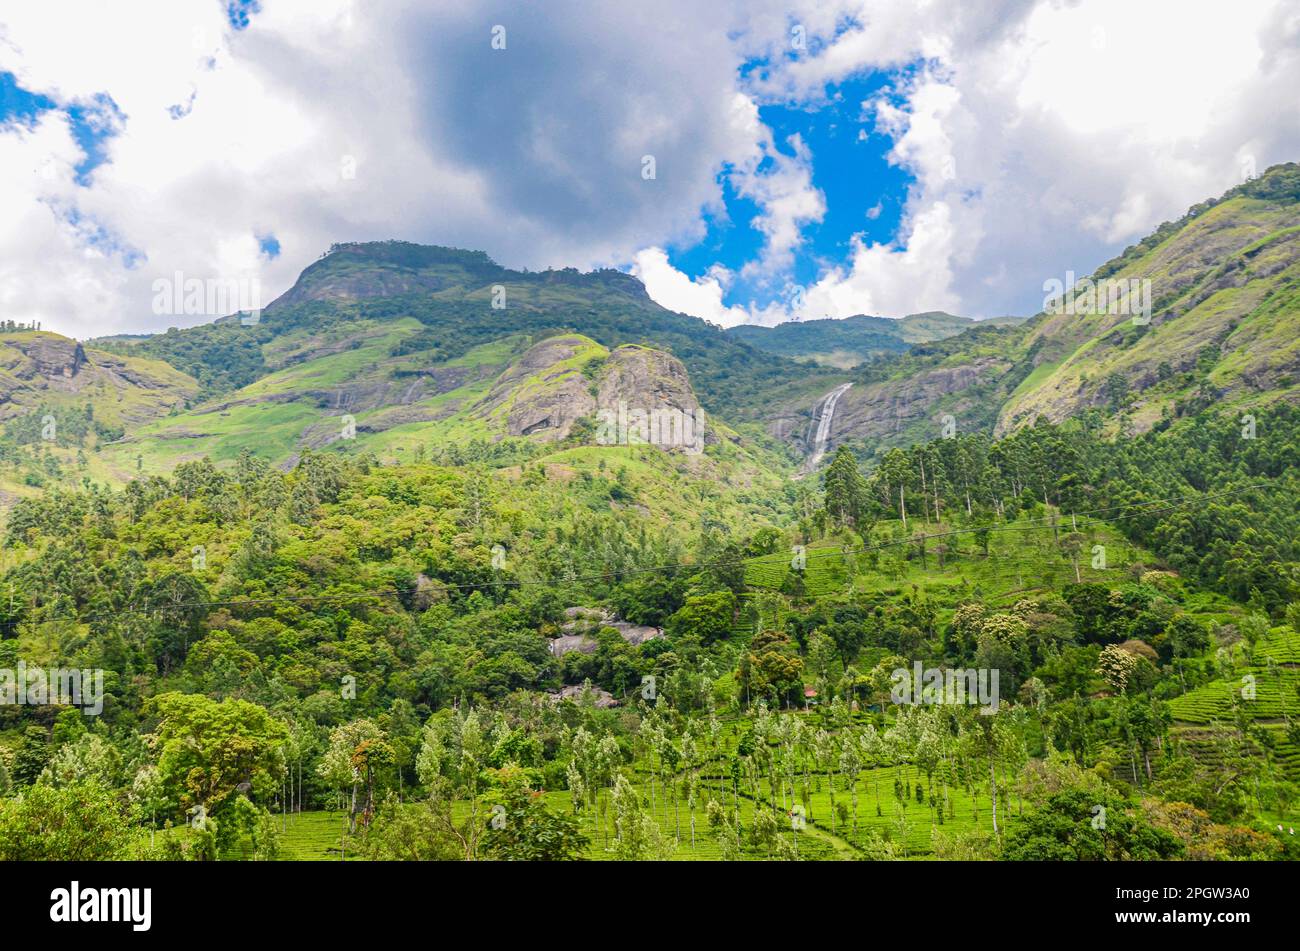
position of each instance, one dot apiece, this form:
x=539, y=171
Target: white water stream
x=824, y=426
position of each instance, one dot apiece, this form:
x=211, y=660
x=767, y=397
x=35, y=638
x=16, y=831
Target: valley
x=436, y=541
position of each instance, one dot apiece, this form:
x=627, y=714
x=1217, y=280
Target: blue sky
x=865, y=193
x=92, y=122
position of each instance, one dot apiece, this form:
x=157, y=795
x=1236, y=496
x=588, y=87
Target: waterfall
x=824, y=426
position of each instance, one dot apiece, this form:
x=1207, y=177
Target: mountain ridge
x=409, y=338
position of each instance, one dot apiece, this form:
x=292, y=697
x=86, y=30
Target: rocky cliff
x=567, y=378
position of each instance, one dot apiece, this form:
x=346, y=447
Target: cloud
x=892, y=280
x=1044, y=137
x=780, y=184
x=345, y=120
x=701, y=297
x=1040, y=135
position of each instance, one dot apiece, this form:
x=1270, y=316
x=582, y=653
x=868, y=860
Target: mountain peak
x=356, y=270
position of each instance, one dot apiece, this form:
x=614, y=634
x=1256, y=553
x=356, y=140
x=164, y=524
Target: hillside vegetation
x=395, y=573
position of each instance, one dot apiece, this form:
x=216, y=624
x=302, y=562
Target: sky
x=749, y=161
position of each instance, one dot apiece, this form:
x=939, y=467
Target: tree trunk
x=993, y=790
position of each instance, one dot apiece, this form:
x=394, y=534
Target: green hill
x=410, y=336
x=458, y=300
x=1224, y=289
x=1223, y=327
x=845, y=343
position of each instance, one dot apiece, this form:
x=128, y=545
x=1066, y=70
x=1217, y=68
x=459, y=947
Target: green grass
x=316, y=837
x=225, y=428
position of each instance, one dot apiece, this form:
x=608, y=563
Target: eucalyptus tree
x=577, y=788
x=826, y=751
x=653, y=734
x=872, y=749
x=798, y=739
x=690, y=753
x=584, y=765
x=606, y=761
x=850, y=765
x=148, y=794
x=453, y=750
x=929, y=751
x=765, y=729
x=636, y=833
x=989, y=740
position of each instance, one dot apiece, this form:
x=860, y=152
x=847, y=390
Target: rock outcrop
x=544, y=392
x=583, y=693
x=583, y=622
x=43, y=368
x=631, y=393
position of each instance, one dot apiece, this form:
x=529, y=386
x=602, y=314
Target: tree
x=1071, y=544
x=453, y=752
x=415, y=832
x=707, y=616
x=90, y=759
x=353, y=752
x=849, y=636
x=846, y=491
x=207, y=748
x=1080, y=826
x=33, y=752
x=764, y=832
x=1186, y=637
x=1116, y=665
x=149, y=795
x=527, y=831
x=74, y=823
x=636, y=834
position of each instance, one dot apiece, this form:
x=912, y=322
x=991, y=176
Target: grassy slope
x=1229, y=278
x=258, y=417
x=117, y=400
x=124, y=391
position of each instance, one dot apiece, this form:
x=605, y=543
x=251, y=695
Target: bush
x=75, y=823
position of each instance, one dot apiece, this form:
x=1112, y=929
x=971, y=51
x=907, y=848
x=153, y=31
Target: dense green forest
x=505, y=658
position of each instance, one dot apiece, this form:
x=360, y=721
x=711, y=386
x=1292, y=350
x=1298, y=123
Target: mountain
x=845, y=343
x=1223, y=328
x=428, y=346
x=1222, y=331
x=461, y=299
